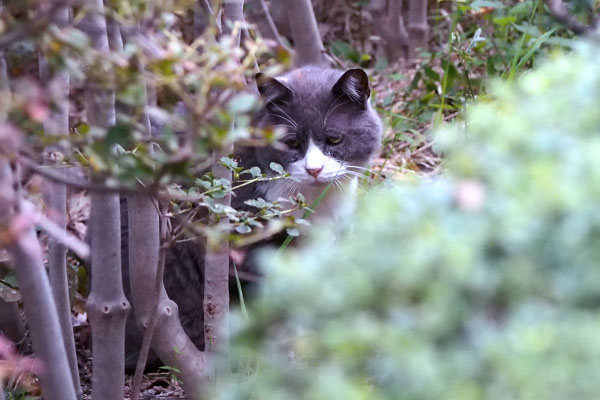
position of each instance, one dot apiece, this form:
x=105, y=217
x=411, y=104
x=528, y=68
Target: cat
x=331, y=132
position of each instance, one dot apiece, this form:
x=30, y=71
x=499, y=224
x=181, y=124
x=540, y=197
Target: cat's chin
x=315, y=182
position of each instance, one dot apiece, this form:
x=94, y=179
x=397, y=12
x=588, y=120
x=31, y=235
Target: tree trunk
x=153, y=308
x=308, y=46
x=258, y=12
x=55, y=199
x=11, y=324
x=107, y=306
x=40, y=308
x=169, y=341
x=216, y=264
x=418, y=29
x=389, y=26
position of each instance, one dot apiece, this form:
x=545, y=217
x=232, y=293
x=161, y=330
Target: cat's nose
x=314, y=171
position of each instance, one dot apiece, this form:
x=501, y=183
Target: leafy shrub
x=483, y=283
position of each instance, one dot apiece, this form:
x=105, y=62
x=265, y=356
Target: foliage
x=480, y=284
x=472, y=41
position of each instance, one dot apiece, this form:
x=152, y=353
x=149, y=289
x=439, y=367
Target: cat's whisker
x=284, y=126
x=290, y=187
x=333, y=109
x=338, y=185
x=348, y=178
x=362, y=168
x=331, y=106
x=358, y=175
x=294, y=125
x=290, y=120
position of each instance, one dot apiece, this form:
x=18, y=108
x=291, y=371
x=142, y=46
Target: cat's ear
x=354, y=83
x=271, y=89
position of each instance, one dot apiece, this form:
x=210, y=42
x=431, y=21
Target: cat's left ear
x=354, y=83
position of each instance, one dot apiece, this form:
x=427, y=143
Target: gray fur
x=312, y=103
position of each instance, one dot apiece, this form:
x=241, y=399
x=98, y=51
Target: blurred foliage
x=483, y=283
x=195, y=90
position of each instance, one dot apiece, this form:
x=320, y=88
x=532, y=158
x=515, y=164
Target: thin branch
x=52, y=175
x=562, y=15
x=57, y=232
x=158, y=283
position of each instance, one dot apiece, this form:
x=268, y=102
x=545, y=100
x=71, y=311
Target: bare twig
x=52, y=175
x=562, y=15
x=57, y=232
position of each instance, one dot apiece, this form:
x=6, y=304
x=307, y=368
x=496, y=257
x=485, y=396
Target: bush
x=481, y=284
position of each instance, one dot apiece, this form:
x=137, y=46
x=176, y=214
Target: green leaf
x=431, y=74
x=527, y=29
x=344, y=50
x=258, y=203
x=254, y=171
x=503, y=21
x=389, y=99
x=479, y=4
x=119, y=134
x=277, y=168
x=82, y=128
x=228, y=163
x=397, y=77
x=535, y=46
x=242, y=103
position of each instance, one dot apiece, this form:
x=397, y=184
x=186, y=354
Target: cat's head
x=331, y=129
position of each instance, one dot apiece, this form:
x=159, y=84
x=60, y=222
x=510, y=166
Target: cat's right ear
x=354, y=83
x=271, y=89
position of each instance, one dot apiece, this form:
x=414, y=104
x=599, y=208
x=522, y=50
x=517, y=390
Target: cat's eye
x=334, y=139
x=291, y=142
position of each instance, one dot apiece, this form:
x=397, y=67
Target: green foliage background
x=481, y=284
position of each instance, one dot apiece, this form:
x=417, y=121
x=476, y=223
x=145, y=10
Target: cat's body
x=332, y=132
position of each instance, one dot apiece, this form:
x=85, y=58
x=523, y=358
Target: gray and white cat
x=332, y=132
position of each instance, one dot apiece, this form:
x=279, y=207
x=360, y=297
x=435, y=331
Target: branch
x=308, y=45
x=40, y=309
x=55, y=199
x=562, y=15
x=57, y=232
x=35, y=26
x=259, y=13
x=54, y=176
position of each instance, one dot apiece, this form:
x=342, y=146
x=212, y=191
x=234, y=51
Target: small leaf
x=255, y=171
x=431, y=74
x=258, y=203
x=243, y=229
x=82, y=128
x=119, y=134
x=293, y=232
x=277, y=168
x=228, y=163
x=242, y=103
